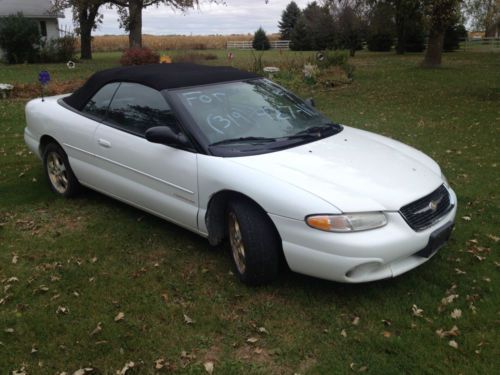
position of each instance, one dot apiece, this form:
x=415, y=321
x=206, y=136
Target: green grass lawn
x=69, y=267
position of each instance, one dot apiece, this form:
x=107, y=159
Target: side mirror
x=165, y=136
x=310, y=102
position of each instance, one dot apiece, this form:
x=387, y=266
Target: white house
x=39, y=10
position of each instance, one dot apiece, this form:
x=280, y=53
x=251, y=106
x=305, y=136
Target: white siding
x=52, y=28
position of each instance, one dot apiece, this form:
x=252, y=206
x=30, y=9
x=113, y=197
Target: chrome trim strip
x=131, y=169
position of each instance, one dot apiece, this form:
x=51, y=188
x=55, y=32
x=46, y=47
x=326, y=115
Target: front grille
x=425, y=211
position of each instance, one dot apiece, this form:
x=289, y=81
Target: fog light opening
x=363, y=270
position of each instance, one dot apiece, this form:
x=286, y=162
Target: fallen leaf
x=361, y=369
x=9, y=330
x=96, y=330
x=93, y=260
x=262, y=330
x=252, y=340
x=456, y=314
x=459, y=271
x=119, y=317
x=449, y=299
x=160, y=363
x=21, y=371
x=125, y=368
x=62, y=310
x=466, y=218
x=453, y=344
x=209, y=367
x=188, y=320
x=83, y=371
x=41, y=289
x=416, y=311
x=386, y=334
x=355, y=321
x=15, y=258
x=343, y=333
x=494, y=238
x=186, y=355
x=452, y=332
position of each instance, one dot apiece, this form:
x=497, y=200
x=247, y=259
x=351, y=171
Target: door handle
x=104, y=143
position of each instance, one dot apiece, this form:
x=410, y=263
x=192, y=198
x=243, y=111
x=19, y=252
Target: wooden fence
x=247, y=44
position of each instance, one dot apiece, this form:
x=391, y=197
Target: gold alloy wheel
x=236, y=240
x=57, y=172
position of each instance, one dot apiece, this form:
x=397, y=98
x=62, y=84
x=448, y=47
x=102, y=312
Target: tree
x=289, y=18
x=86, y=15
x=260, y=40
x=320, y=26
x=19, y=38
x=300, y=39
x=415, y=34
x=452, y=36
x=351, y=28
x=440, y=13
x=381, y=27
x=485, y=15
x=408, y=17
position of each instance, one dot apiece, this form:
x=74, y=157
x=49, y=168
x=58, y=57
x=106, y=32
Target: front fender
x=275, y=196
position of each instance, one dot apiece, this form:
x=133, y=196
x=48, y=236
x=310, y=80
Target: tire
x=60, y=176
x=254, y=243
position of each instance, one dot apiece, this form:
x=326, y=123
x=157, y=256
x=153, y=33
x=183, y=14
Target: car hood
x=353, y=170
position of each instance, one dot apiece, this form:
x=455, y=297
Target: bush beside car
x=21, y=42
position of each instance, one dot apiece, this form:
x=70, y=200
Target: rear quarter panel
x=72, y=131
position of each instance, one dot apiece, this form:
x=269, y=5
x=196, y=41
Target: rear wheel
x=61, y=178
x=254, y=243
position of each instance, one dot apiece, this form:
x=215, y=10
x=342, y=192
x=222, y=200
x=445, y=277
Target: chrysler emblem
x=432, y=206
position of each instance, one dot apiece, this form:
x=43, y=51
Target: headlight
x=347, y=222
x=445, y=180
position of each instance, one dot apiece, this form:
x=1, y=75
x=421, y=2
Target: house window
x=43, y=28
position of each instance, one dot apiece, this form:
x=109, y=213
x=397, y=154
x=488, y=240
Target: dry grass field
x=110, y=43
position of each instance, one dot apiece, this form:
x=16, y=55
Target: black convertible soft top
x=157, y=76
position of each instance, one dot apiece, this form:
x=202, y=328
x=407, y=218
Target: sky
x=236, y=17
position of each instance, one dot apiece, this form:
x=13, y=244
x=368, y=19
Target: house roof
x=29, y=8
x=157, y=76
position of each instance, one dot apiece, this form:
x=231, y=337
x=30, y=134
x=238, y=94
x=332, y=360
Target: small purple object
x=44, y=77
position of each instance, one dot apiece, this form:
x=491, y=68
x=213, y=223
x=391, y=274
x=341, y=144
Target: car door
x=157, y=178
x=78, y=133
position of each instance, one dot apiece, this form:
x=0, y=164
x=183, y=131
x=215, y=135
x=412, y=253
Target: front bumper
x=359, y=256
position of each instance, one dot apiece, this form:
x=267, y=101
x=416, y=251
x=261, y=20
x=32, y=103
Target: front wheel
x=254, y=243
x=61, y=179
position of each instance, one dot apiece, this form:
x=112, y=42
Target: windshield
x=256, y=113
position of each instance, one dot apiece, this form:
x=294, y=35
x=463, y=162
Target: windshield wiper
x=244, y=140
x=317, y=131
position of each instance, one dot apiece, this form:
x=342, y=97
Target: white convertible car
x=230, y=155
